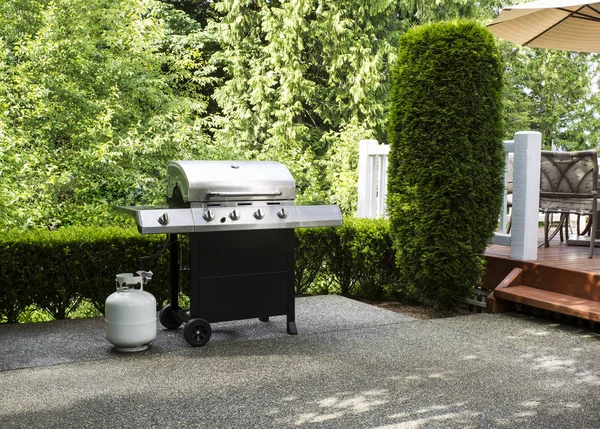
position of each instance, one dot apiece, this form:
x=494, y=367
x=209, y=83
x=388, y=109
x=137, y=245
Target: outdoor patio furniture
x=569, y=185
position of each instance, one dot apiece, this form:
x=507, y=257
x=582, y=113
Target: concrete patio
x=352, y=365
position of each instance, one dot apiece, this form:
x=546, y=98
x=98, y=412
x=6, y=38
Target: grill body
x=240, y=219
x=242, y=275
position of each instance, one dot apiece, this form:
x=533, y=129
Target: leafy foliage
x=310, y=247
x=56, y=270
x=355, y=259
x=299, y=74
x=90, y=117
x=94, y=107
x=364, y=262
x=446, y=158
x=420, y=12
x=48, y=274
x=552, y=92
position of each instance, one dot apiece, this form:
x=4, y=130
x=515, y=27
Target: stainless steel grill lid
x=224, y=181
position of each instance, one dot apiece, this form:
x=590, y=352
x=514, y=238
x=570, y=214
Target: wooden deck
x=558, y=255
x=562, y=279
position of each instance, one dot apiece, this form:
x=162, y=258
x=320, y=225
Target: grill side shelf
x=312, y=216
x=132, y=210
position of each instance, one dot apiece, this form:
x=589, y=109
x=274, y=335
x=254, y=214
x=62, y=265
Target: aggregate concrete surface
x=352, y=365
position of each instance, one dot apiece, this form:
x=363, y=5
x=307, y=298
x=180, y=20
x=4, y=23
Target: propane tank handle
x=123, y=281
x=128, y=279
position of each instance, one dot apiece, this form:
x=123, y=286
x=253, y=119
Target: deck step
x=552, y=301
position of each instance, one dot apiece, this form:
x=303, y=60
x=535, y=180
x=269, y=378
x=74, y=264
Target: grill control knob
x=235, y=215
x=164, y=219
x=283, y=213
x=208, y=216
x=259, y=214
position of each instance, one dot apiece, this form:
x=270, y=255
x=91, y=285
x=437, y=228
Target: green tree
x=191, y=48
x=545, y=90
x=552, y=92
x=419, y=12
x=93, y=108
x=298, y=74
x=446, y=158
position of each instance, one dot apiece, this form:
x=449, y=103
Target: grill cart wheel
x=197, y=332
x=167, y=318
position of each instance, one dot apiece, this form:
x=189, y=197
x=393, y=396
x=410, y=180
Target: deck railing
x=372, y=178
x=526, y=146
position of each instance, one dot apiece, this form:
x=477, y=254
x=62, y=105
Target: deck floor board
x=559, y=255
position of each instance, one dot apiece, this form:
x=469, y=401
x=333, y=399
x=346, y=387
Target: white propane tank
x=130, y=313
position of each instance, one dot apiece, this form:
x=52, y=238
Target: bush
x=70, y=272
x=15, y=294
x=355, y=259
x=339, y=263
x=361, y=259
x=373, y=258
x=446, y=160
x=311, y=246
x=56, y=270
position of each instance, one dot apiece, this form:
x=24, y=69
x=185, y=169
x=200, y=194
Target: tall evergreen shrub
x=446, y=160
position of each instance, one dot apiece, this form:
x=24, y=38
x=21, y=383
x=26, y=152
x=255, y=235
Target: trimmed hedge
x=446, y=159
x=56, y=270
x=361, y=260
x=355, y=260
x=310, y=247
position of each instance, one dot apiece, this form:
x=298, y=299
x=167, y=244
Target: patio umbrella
x=570, y=25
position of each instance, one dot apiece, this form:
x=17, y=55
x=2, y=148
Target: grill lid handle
x=275, y=193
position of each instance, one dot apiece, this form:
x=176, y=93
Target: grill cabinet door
x=242, y=274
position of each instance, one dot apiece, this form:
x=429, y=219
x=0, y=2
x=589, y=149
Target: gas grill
x=240, y=218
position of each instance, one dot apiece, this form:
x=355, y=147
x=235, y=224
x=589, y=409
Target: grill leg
x=291, y=313
x=174, y=271
x=291, y=327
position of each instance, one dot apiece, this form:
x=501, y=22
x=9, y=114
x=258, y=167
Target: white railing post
x=509, y=147
x=372, y=178
x=526, y=194
x=502, y=237
x=366, y=196
x=383, y=180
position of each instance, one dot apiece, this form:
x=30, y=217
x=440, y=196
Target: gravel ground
x=352, y=365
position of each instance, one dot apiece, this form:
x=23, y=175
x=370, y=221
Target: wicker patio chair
x=569, y=185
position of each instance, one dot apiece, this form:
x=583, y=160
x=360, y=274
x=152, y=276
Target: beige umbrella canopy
x=570, y=25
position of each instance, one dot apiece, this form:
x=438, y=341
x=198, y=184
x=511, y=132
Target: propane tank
x=130, y=313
